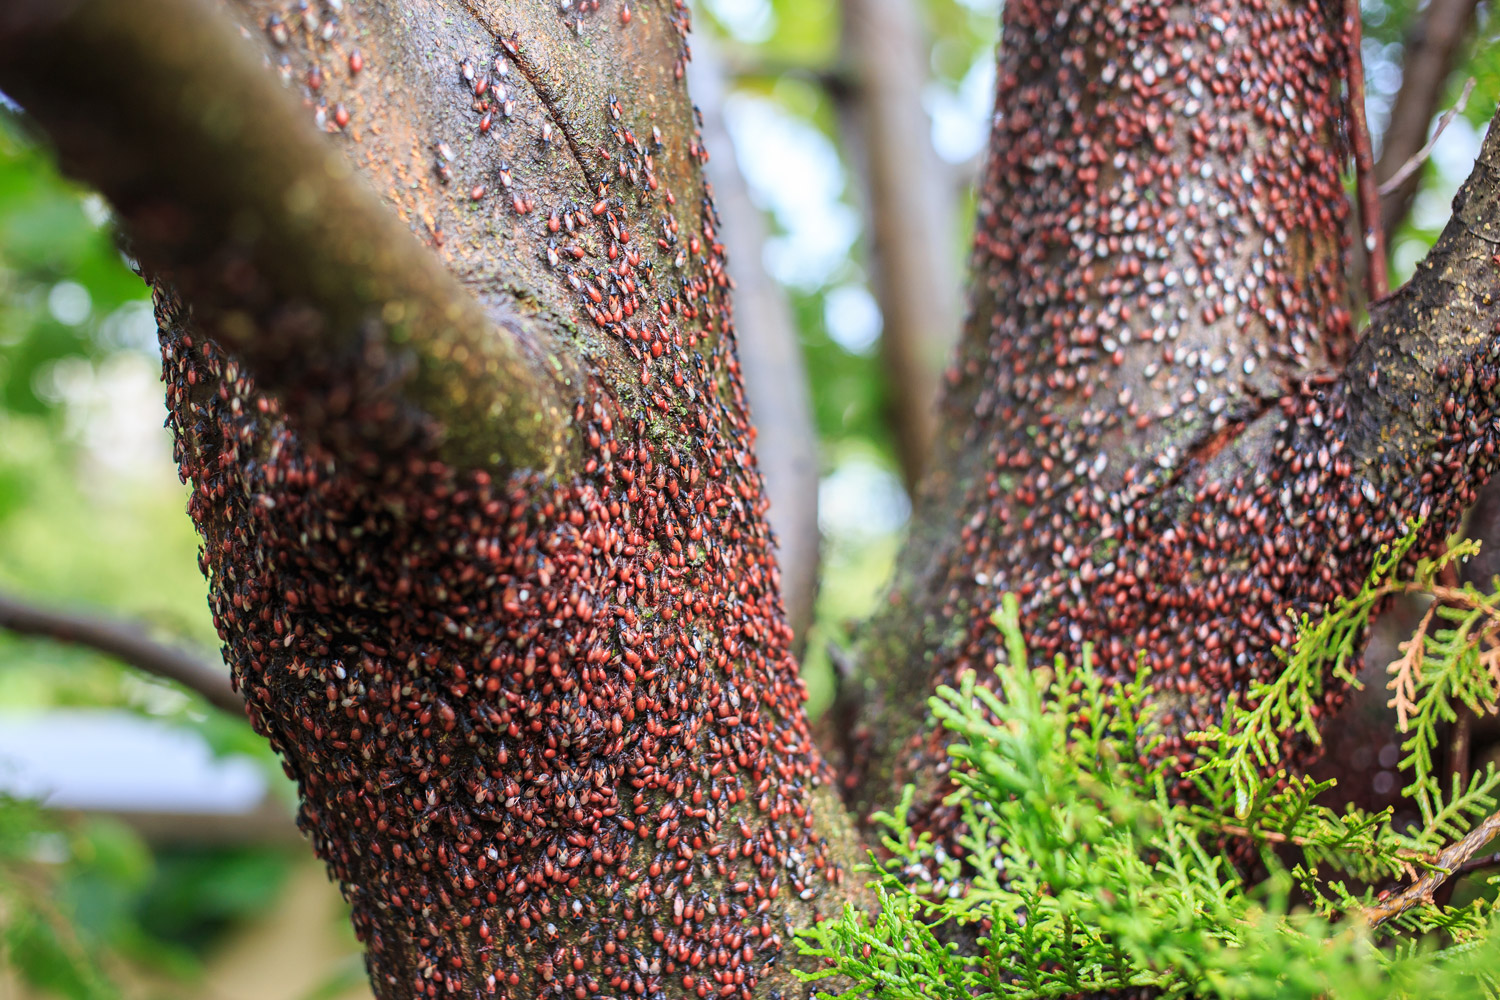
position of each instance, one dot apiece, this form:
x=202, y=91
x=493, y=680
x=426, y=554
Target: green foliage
x=1450, y=662
x=83, y=897
x=80, y=896
x=39, y=935
x=1079, y=869
x=62, y=282
x=1251, y=739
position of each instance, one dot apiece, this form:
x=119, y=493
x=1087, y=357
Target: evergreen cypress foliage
x=1079, y=873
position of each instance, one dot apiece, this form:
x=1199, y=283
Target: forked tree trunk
x=486, y=541
x=1152, y=436
x=1159, y=303
x=539, y=703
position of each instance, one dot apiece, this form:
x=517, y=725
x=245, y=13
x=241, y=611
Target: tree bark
x=231, y=198
x=543, y=718
x=536, y=687
x=1147, y=441
x=770, y=354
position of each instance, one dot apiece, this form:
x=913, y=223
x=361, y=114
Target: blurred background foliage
x=94, y=906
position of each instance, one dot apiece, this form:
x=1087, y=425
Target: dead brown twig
x=1445, y=866
x=126, y=642
x=1415, y=161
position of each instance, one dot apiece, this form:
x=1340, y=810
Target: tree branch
x=1155, y=265
x=1419, y=158
x=1161, y=482
x=1431, y=51
x=1447, y=864
x=127, y=642
x=1428, y=354
x=231, y=197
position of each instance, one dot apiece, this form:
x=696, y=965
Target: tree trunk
x=541, y=710
x=486, y=541
x=910, y=246
x=1146, y=434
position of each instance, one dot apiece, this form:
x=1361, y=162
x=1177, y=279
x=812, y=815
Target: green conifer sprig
x=1076, y=872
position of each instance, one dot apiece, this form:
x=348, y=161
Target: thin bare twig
x=1477, y=864
x=1448, y=864
x=1460, y=744
x=127, y=642
x=1432, y=48
x=286, y=258
x=1458, y=597
x=1394, y=182
x=1460, y=747
x=1377, y=282
x=1275, y=837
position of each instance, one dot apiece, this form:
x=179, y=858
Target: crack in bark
x=287, y=257
x=543, y=92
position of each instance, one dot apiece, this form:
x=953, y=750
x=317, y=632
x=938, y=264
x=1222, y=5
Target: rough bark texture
x=538, y=698
x=776, y=389
x=1144, y=439
x=546, y=729
x=229, y=195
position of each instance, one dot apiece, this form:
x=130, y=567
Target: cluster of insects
x=547, y=729
x=1155, y=443
x=547, y=732
x=315, y=25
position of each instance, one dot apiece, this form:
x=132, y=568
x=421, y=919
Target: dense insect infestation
x=451, y=365
x=1149, y=441
x=582, y=767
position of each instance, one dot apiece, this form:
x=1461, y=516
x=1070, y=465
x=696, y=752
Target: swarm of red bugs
x=547, y=732
x=1150, y=437
x=548, y=735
